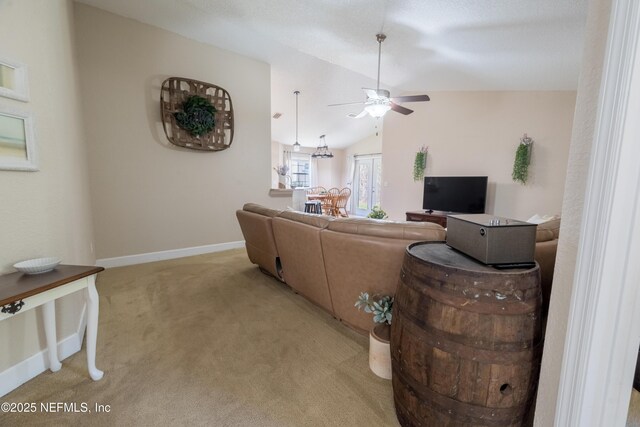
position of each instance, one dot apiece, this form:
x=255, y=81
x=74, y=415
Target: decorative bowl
x=38, y=265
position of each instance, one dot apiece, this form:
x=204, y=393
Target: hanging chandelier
x=322, y=152
x=296, y=146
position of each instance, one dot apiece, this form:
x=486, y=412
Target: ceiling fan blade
x=357, y=116
x=411, y=98
x=346, y=103
x=400, y=109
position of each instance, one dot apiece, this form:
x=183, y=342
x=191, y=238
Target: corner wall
x=44, y=213
x=148, y=195
x=573, y=207
x=477, y=133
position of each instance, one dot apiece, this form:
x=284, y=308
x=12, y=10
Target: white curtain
x=286, y=159
x=351, y=176
x=313, y=172
x=351, y=164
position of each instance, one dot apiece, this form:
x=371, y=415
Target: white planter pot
x=379, y=351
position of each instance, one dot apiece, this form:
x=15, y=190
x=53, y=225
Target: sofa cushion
x=301, y=255
x=549, y=230
x=365, y=255
x=260, y=210
x=314, y=220
x=405, y=230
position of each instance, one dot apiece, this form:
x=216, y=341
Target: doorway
x=367, y=183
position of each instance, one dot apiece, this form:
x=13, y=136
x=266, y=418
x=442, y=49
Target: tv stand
x=428, y=216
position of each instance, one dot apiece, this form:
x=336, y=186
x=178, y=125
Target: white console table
x=20, y=292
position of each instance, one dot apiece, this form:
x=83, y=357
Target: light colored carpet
x=210, y=340
x=633, y=417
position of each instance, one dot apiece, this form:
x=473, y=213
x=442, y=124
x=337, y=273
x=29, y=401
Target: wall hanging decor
x=17, y=145
x=523, y=158
x=13, y=80
x=196, y=115
x=420, y=164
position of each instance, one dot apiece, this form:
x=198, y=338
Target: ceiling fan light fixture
x=377, y=110
x=379, y=101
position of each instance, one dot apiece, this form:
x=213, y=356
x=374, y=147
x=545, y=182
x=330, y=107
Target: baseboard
x=20, y=373
x=164, y=255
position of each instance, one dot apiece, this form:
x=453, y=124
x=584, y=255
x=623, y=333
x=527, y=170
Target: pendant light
x=296, y=146
x=322, y=152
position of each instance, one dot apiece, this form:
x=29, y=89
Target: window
x=300, y=164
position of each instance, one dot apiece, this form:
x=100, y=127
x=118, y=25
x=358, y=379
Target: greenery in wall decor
x=521, y=163
x=197, y=116
x=420, y=164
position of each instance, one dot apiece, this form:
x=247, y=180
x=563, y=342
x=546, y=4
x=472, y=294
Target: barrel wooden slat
x=465, y=342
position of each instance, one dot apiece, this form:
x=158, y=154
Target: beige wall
x=572, y=209
x=276, y=160
x=477, y=133
x=330, y=170
x=44, y=213
x=370, y=145
x=148, y=195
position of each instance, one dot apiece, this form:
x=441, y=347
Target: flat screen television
x=459, y=194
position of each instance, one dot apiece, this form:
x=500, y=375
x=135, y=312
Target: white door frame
x=603, y=330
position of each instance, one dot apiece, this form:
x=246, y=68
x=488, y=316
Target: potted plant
x=379, y=336
x=377, y=213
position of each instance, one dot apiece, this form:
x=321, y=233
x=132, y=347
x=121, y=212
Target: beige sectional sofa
x=547, y=235
x=331, y=260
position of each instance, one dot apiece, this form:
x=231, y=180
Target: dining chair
x=341, y=203
x=329, y=203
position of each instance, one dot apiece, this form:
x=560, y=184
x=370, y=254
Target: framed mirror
x=17, y=145
x=13, y=80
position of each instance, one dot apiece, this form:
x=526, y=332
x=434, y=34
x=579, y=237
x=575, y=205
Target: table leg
x=49, y=314
x=92, y=328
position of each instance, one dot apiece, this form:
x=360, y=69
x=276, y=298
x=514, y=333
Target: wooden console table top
x=17, y=286
x=423, y=216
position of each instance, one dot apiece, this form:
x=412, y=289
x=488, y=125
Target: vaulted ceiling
x=327, y=49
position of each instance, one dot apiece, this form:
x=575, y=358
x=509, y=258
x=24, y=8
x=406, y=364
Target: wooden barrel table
x=466, y=340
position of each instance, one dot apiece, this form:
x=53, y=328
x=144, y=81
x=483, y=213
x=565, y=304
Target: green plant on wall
x=420, y=164
x=521, y=163
x=197, y=116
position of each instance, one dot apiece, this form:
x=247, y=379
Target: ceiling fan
x=379, y=101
